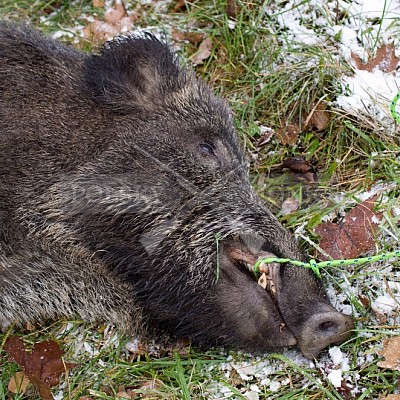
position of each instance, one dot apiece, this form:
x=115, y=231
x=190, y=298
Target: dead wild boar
x=125, y=197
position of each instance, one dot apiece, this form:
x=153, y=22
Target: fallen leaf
x=318, y=118
x=18, y=383
x=289, y=206
x=391, y=352
x=181, y=346
x=115, y=13
x=301, y=168
x=136, y=348
x=232, y=8
x=43, y=366
x=180, y=5
x=144, y=391
x=125, y=24
x=380, y=317
x=385, y=60
x=126, y=395
x=345, y=390
x=390, y=397
x=352, y=236
x=192, y=37
x=99, y=31
x=148, y=388
x=288, y=134
x=202, y=53
x=364, y=300
x=265, y=136
x=116, y=21
x=98, y=3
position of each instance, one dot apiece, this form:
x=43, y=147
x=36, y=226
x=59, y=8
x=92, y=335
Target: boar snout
x=323, y=329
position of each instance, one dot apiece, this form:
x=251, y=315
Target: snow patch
x=370, y=94
x=335, y=377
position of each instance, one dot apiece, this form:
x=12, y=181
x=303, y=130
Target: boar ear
x=133, y=74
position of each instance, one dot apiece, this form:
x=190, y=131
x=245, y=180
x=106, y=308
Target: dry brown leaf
x=136, y=348
x=144, y=391
x=385, y=60
x=150, y=387
x=99, y=31
x=192, y=37
x=264, y=138
x=345, y=390
x=125, y=24
x=18, y=383
x=180, y=5
x=289, y=206
x=126, y=395
x=354, y=235
x=116, y=21
x=364, y=300
x=43, y=366
x=232, y=8
x=288, y=134
x=98, y=3
x=301, y=168
x=391, y=352
x=380, y=317
x=203, y=53
x=390, y=397
x=115, y=13
x=318, y=118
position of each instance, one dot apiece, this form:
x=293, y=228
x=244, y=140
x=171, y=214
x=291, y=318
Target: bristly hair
x=133, y=73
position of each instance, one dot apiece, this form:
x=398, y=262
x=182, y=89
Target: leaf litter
x=116, y=22
x=42, y=366
x=391, y=353
x=384, y=60
x=352, y=236
x=300, y=168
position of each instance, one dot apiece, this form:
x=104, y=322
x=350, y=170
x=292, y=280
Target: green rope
x=395, y=114
x=316, y=266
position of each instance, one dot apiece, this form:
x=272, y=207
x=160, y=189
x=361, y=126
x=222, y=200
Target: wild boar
x=125, y=197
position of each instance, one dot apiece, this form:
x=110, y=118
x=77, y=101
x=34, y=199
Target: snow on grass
x=347, y=28
x=370, y=94
x=256, y=374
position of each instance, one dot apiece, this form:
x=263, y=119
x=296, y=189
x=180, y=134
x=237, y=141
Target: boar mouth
x=268, y=272
x=320, y=329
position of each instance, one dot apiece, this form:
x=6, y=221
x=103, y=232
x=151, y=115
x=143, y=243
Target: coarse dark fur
x=117, y=173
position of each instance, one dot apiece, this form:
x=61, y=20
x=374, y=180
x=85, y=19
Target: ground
x=311, y=85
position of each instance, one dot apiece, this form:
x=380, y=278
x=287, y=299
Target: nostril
x=328, y=326
x=322, y=330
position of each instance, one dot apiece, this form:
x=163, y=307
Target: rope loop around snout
x=317, y=266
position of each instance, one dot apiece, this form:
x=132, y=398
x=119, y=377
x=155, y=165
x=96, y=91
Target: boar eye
x=207, y=148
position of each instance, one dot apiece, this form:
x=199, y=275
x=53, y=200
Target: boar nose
x=323, y=329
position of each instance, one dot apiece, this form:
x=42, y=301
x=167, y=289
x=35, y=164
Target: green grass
x=270, y=81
